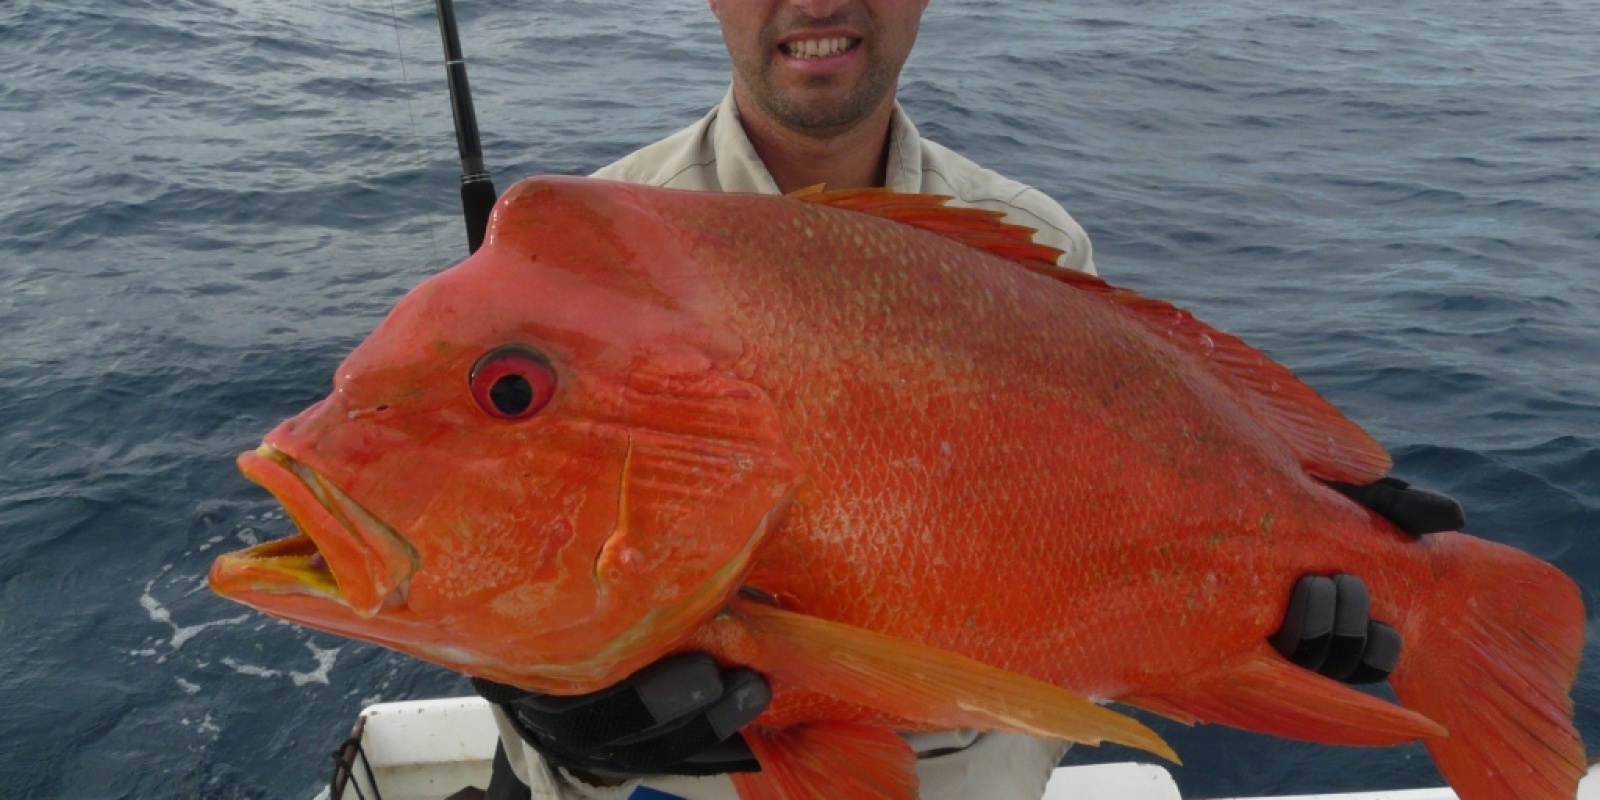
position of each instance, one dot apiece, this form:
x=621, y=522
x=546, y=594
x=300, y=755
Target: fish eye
x=512, y=382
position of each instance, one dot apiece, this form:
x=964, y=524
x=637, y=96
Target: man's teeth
x=819, y=48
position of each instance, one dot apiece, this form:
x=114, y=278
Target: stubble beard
x=827, y=118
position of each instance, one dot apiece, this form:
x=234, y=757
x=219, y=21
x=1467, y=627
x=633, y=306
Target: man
x=813, y=102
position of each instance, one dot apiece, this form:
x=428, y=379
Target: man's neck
x=853, y=159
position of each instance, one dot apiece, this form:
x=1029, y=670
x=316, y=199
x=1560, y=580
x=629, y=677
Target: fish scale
x=938, y=365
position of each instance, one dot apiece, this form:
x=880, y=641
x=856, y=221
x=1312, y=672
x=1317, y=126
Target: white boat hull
x=428, y=749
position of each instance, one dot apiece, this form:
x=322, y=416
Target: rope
x=344, y=759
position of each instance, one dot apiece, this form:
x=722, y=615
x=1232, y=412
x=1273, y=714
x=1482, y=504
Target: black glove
x=679, y=716
x=1327, y=629
x=1415, y=511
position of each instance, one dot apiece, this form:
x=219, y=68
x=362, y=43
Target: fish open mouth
x=342, y=552
x=297, y=558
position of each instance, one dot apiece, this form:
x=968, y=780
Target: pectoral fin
x=925, y=685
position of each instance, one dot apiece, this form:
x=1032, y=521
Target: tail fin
x=1498, y=673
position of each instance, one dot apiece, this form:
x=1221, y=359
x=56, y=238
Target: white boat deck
x=427, y=749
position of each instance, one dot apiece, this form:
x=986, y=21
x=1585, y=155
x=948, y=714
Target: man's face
x=818, y=67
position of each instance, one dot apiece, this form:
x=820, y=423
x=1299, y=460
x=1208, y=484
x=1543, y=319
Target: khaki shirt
x=715, y=155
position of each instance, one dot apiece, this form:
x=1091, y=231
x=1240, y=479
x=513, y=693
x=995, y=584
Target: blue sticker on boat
x=647, y=793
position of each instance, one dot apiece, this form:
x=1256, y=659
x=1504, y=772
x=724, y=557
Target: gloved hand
x=1415, y=511
x=1327, y=630
x=1328, y=627
x=680, y=716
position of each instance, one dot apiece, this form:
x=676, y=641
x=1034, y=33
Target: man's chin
x=820, y=114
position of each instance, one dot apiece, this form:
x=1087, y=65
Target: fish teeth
x=819, y=48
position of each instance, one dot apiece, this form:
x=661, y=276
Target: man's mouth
x=808, y=49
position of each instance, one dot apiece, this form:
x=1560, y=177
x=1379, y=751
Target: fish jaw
x=365, y=563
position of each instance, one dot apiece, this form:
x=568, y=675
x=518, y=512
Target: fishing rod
x=477, y=190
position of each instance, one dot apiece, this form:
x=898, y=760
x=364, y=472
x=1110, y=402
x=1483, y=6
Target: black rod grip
x=477, y=200
x=477, y=190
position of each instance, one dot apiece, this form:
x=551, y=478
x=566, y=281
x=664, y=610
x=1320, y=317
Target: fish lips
x=365, y=565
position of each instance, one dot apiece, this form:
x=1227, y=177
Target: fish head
x=546, y=466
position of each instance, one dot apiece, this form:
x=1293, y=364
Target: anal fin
x=828, y=761
x=1266, y=694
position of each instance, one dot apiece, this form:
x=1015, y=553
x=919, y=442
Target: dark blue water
x=205, y=203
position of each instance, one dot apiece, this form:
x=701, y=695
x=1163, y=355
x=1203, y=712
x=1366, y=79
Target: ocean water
x=204, y=204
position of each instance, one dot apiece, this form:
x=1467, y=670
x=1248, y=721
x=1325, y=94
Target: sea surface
x=204, y=204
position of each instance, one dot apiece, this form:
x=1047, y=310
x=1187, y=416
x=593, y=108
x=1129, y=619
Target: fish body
x=884, y=453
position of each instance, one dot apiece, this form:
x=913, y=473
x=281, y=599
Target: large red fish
x=883, y=453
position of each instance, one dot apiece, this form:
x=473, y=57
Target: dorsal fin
x=1328, y=445
x=975, y=227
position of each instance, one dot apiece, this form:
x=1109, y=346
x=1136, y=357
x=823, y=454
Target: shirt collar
x=903, y=173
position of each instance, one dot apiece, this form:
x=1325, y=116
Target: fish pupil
x=511, y=394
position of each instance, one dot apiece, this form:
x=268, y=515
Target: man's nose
x=819, y=8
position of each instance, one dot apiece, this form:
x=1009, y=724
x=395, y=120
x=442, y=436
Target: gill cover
x=706, y=470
